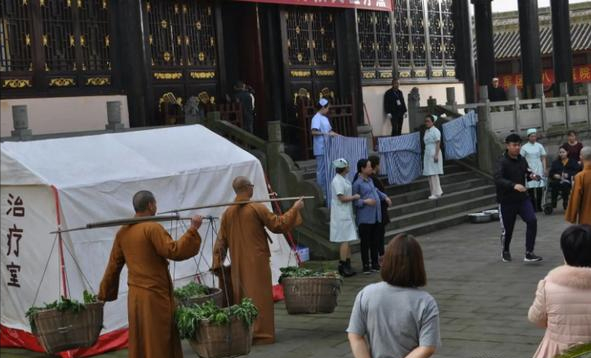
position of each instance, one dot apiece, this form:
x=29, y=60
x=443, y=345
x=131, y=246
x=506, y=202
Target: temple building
x=65, y=59
x=508, y=51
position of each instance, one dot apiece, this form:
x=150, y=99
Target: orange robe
x=579, y=203
x=145, y=248
x=242, y=231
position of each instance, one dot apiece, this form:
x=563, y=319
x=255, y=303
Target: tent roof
x=117, y=157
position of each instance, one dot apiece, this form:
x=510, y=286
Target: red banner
x=581, y=74
x=379, y=5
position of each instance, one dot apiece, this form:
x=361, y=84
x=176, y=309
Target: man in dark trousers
x=510, y=177
x=496, y=93
x=394, y=107
x=245, y=98
x=375, y=164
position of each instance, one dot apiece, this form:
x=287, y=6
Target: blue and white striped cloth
x=402, y=156
x=351, y=148
x=459, y=136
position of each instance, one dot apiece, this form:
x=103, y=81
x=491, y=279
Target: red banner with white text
x=581, y=74
x=379, y=5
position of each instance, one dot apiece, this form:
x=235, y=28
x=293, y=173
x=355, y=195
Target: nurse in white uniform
x=432, y=160
x=535, y=154
x=342, y=221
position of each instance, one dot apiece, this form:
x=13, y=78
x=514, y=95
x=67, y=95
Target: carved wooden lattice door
x=183, y=56
x=56, y=47
x=309, y=53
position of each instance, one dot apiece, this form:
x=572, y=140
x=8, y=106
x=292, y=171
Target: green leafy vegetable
x=191, y=290
x=294, y=271
x=188, y=318
x=61, y=305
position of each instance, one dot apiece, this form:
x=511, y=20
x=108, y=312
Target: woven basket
x=311, y=294
x=215, y=294
x=61, y=331
x=230, y=340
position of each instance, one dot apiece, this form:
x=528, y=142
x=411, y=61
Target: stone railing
x=552, y=117
x=546, y=114
x=22, y=132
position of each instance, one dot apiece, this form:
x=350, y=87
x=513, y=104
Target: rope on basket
x=62, y=262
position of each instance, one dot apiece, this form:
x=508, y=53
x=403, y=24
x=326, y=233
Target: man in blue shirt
x=369, y=214
x=321, y=128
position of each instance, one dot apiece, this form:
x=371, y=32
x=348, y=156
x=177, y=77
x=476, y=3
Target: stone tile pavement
x=483, y=302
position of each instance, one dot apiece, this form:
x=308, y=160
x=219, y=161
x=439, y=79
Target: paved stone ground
x=483, y=302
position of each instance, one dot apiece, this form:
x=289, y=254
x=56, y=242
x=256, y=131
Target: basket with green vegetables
x=188, y=319
x=309, y=291
x=294, y=271
x=62, y=305
x=196, y=294
x=67, y=323
x=215, y=332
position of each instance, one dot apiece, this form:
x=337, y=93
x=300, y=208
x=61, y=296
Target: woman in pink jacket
x=563, y=298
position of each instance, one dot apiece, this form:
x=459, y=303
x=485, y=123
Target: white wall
x=373, y=97
x=62, y=114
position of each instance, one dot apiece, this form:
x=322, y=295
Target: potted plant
x=196, y=294
x=216, y=332
x=308, y=291
x=66, y=323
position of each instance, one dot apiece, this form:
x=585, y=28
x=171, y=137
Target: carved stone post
x=114, y=116
x=414, y=104
x=365, y=131
x=485, y=161
x=20, y=120
x=451, y=98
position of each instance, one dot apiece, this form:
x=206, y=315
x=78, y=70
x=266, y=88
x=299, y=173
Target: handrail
x=242, y=135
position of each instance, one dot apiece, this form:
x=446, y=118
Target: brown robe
x=242, y=231
x=579, y=203
x=145, y=248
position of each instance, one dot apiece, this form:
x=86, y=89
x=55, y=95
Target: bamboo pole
x=123, y=221
x=176, y=216
x=293, y=198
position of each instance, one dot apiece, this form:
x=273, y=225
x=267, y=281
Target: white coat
x=432, y=136
x=342, y=221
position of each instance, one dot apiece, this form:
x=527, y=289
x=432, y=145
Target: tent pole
x=61, y=247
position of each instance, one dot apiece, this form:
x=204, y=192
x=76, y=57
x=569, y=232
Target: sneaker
x=531, y=257
x=432, y=197
x=366, y=270
x=506, y=256
x=375, y=269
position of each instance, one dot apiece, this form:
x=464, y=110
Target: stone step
x=440, y=212
x=439, y=223
x=401, y=209
x=423, y=183
x=421, y=194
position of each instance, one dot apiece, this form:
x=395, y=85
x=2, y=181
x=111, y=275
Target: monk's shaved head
x=142, y=199
x=241, y=184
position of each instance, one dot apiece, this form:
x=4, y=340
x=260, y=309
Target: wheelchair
x=547, y=196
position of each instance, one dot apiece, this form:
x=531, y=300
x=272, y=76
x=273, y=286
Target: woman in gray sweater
x=398, y=318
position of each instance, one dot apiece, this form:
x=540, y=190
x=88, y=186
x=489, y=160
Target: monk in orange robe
x=145, y=248
x=579, y=204
x=242, y=231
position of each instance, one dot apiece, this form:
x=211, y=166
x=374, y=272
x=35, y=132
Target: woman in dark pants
x=369, y=215
x=562, y=171
x=375, y=164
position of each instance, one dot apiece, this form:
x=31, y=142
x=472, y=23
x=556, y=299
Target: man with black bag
x=510, y=177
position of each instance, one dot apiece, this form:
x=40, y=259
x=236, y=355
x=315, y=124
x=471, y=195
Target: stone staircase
x=465, y=191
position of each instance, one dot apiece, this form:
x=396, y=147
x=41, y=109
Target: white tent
x=93, y=178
